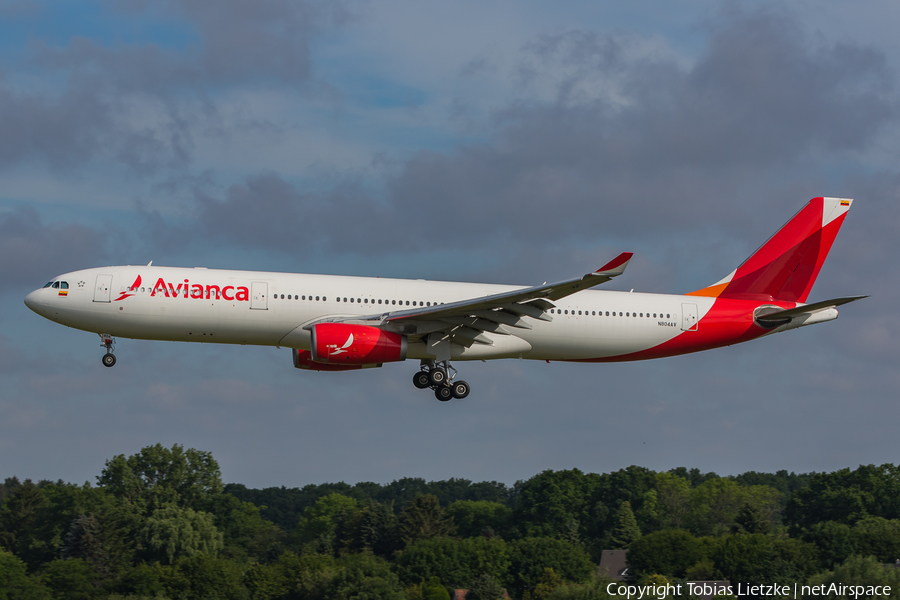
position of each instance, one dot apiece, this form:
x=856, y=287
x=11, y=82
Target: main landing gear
x=108, y=342
x=435, y=376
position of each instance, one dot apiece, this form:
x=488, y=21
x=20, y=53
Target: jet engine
x=347, y=344
x=303, y=360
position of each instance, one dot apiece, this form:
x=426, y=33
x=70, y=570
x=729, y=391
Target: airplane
x=340, y=323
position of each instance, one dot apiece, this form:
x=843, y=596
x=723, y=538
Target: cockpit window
x=63, y=285
x=55, y=285
x=48, y=284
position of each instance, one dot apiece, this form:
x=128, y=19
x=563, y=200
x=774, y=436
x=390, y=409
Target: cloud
x=33, y=251
x=143, y=104
x=718, y=138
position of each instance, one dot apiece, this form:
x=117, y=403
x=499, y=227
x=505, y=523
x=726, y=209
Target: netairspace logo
x=661, y=592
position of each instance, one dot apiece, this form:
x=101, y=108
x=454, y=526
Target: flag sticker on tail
x=845, y=203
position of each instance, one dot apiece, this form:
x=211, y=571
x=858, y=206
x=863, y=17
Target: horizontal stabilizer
x=781, y=316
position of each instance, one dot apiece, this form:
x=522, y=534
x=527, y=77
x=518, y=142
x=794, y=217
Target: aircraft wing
x=466, y=320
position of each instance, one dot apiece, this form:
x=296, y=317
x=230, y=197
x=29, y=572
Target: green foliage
x=545, y=588
x=433, y=590
x=670, y=552
x=716, y=503
x=548, y=502
x=627, y=530
x=201, y=576
x=454, y=562
x=265, y=582
x=475, y=517
x=20, y=519
x=364, y=577
x=71, y=579
x=15, y=584
x=529, y=557
x=845, y=496
x=422, y=519
x=322, y=523
x=306, y=576
x=246, y=535
x=858, y=571
x=158, y=475
x=749, y=520
x=377, y=530
x=756, y=558
x=484, y=587
x=835, y=541
x=170, y=533
x=878, y=537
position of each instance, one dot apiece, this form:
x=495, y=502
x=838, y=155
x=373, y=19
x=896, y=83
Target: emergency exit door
x=102, y=288
x=689, y=317
x=259, y=295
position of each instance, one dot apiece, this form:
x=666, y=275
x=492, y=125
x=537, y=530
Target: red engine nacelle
x=344, y=344
x=303, y=360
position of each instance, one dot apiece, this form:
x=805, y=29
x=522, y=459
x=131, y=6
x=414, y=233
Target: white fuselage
x=263, y=308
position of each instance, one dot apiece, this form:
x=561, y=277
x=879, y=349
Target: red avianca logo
x=190, y=290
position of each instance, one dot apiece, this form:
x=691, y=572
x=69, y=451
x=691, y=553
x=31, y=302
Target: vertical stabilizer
x=786, y=266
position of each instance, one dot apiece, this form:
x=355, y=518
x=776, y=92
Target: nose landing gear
x=435, y=376
x=108, y=342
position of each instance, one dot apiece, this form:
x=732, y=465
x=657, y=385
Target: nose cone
x=31, y=301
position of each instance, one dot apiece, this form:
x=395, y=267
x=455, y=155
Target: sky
x=489, y=141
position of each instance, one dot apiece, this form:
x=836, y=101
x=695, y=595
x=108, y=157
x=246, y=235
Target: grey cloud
x=34, y=251
x=722, y=139
x=110, y=91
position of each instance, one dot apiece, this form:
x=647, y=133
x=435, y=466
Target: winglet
x=616, y=266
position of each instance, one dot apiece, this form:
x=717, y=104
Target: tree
x=307, y=576
x=433, y=590
x=547, y=503
x=484, y=587
x=158, y=475
x=454, y=562
x=748, y=520
x=836, y=542
x=170, y=533
x=529, y=557
x=472, y=517
x=364, y=577
x=20, y=517
x=673, y=497
x=322, y=523
x=423, y=518
x=72, y=579
x=627, y=530
x=756, y=558
x=377, y=530
x=878, y=537
x=15, y=584
x=545, y=588
x=845, y=496
x=715, y=505
x=858, y=571
x=670, y=552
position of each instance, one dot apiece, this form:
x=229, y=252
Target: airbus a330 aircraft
x=334, y=323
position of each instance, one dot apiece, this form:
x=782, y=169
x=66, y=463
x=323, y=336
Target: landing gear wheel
x=460, y=389
x=443, y=393
x=109, y=360
x=421, y=380
x=437, y=376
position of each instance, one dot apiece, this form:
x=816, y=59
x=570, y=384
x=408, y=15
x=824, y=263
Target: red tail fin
x=786, y=266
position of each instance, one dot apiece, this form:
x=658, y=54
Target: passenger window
x=393, y=302
x=579, y=312
x=594, y=313
x=667, y=316
x=379, y=301
x=407, y=302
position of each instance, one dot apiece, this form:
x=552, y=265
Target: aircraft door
x=102, y=288
x=259, y=295
x=689, y=317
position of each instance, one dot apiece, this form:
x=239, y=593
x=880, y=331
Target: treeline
x=161, y=524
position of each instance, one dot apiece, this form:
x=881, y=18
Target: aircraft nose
x=31, y=301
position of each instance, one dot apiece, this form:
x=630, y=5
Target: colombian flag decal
x=845, y=203
x=63, y=292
